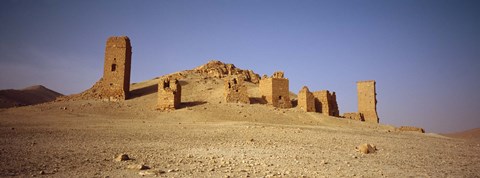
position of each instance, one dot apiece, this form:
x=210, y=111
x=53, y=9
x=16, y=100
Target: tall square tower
x=116, y=72
x=367, y=100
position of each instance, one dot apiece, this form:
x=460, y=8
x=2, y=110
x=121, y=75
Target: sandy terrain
x=210, y=138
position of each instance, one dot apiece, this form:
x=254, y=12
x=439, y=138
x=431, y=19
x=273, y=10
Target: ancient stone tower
x=367, y=100
x=169, y=94
x=275, y=90
x=326, y=103
x=116, y=73
x=306, y=100
x=235, y=91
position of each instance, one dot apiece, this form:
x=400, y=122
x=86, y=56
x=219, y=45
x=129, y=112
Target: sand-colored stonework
x=367, y=100
x=234, y=90
x=169, y=94
x=410, y=129
x=326, y=103
x=306, y=100
x=354, y=116
x=275, y=90
x=115, y=83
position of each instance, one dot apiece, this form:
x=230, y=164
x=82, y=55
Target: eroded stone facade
x=275, y=90
x=367, y=100
x=411, y=129
x=326, y=103
x=235, y=91
x=353, y=116
x=169, y=94
x=306, y=100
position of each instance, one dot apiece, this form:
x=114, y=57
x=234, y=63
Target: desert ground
x=207, y=137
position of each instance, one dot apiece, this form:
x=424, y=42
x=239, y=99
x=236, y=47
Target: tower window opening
x=114, y=67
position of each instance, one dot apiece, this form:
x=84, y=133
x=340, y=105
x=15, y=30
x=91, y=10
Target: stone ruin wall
x=326, y=103
x=275, y=90
x=306, y=100
x=235, y=91
x=353, y=116
x=410, y=129
x=169, y=94
x=367, y=101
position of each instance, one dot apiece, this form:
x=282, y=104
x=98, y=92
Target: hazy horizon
x=424, y=55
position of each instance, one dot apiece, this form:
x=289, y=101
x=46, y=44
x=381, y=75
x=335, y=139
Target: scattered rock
x=366, y=148
x=151, y=172
x=138, y=167
x=122, y=157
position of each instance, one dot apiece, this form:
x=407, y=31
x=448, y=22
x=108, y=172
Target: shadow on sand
x=191, y=104
x=143, y=91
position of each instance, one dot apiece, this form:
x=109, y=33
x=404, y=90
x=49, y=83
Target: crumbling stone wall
x=367, y=100
x=169, y=94
x=275, y=90
x=235, y=91
x=411, y=129
x=306, y=100
x=326, y=103
x=354, y=116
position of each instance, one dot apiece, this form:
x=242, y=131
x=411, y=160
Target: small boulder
x=137, y=167
x=122, y=157
x=366, y=148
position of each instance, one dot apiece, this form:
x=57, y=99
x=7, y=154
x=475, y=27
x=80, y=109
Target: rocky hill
x=28, y=96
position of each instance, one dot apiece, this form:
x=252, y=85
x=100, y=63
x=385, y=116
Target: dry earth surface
x=210, y=138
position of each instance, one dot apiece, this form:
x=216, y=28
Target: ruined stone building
x=115, y=83
x=306, y=100
x=275, y=90
x=235, y=91
x=354, y=116
x=367, y=100
x=326, y=103
x=169, y=94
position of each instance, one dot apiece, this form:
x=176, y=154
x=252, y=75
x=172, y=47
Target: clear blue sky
x=424, y=54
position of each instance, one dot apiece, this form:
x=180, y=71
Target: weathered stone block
x=235, y=91
x=306, y=100
x=169, y=94
x=275, y=90
x=411, y=129
x=326, y=103
x=354, y=116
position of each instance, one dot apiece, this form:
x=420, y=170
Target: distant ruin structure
x=235, y=91
x=367, y=100
x=353, y=116
x=326, y=103
x=169, y=94
x=275, y=90
x=410, y=129
x=115, y=83
x=218, y=69
x=306, y=100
